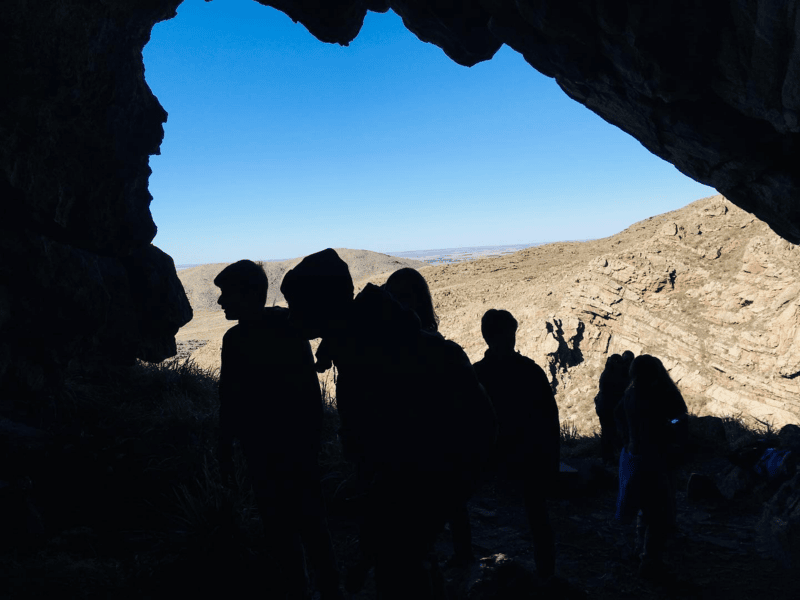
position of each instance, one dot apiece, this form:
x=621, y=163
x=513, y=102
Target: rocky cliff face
x=710, y=290
x=78, y=275
x=712, y=86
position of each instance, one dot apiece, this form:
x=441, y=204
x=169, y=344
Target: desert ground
x=708, y=288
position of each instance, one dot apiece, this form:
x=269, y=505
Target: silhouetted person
x=652, y=419
x=399, y=393
x=627, y=358
x=270, y=400
x=613, y=382
x=409, y=288
x=529, y=430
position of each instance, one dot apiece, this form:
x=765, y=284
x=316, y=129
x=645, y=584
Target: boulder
x=790, y=438
x=779, y=526
x=735, y=482
x=499, y=576
x=21, y=525
x=701, y=488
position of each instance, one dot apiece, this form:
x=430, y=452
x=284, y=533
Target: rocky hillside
x=708, y=288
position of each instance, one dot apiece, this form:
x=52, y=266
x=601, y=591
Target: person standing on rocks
x=409, y=288
x=653, y=421
x=397, y=391
x=613, y=382
x=270, y=400
x=528, y=442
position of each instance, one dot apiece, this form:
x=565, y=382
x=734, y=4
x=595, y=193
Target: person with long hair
x=410, y=289
x=653, y=421
x=612, y=385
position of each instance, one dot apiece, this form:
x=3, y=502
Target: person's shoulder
x=276, y=317
x=445, y=349
x=232, y=335
x=527, y=363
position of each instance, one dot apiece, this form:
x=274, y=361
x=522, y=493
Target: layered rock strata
x=709, y=289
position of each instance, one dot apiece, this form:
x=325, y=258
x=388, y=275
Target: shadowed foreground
x=114, y=489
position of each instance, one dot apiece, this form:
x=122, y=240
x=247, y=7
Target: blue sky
x=278, y=145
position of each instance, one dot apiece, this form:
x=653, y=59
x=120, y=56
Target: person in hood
x=399, y=393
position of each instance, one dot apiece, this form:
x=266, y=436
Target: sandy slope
x=708, y=288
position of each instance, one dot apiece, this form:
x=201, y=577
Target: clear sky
x=278, y=145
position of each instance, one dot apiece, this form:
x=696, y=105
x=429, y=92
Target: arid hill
x=709, y=289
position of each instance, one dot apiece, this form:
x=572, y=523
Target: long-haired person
x=653, y=422
x=409, y=287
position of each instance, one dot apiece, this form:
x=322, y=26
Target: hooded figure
x=400, y=394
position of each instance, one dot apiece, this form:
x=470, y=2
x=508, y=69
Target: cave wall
x=712, y=86
x=78, y=275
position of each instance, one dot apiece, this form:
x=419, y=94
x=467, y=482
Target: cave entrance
x=278, y=145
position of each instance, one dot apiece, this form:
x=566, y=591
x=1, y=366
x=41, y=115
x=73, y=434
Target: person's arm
x=226, y=435
x=552, y=425
x=323, y=356
x=621, y=419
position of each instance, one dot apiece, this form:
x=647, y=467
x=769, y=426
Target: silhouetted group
x=644, y=418
x=418, y=421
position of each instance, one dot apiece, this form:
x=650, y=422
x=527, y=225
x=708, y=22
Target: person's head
x=243, y=290
x=411, y=290
x=615, y=363
x=499, y=329
x=648, y=369
x=627, y=357
x=318, y=290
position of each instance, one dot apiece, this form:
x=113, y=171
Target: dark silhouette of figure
x=409, y=288
x=270, y=401
x=528, y=442
x=627, y=358
x=402, y=395
x=613, y=382
x=653, y=421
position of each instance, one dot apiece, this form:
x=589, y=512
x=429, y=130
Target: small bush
x=742, y=431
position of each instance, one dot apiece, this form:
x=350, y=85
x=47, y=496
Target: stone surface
x=735, y=482
x=780, y=524
x=701, y=488
x=718, y=303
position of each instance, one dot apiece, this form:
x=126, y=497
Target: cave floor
x=716, y=552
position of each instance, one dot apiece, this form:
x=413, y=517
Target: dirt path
x=716, y=553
